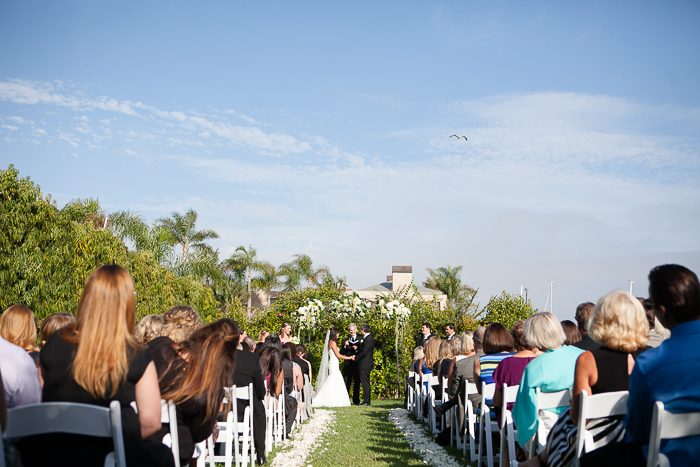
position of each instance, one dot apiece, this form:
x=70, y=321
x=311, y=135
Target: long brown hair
x=206, y=366
x=271, y=362
x=432, y=351
x=17, y=326
x=105, y=318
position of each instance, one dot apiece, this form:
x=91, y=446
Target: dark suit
x=246, y=371
x=587, y=343
x=365, y=365
x=351, y=373
x=423, y=339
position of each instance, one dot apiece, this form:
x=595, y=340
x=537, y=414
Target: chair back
x=546, y=400
x=168, y=415
x=71, y=418
x=603, y=405
x=668, y=425
x=508, y=432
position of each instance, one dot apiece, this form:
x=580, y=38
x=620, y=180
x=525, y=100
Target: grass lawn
x=364, y=436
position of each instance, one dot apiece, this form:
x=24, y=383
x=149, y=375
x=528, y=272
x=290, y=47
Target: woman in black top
x=95, y=362
x=194, y=375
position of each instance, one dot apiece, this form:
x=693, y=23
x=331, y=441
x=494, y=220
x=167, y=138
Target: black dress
x=59, y=386
x=192, y=424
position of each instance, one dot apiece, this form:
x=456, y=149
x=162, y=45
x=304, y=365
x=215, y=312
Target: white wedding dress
x=332, y=391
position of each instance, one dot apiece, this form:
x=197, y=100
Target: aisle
x=361, y=437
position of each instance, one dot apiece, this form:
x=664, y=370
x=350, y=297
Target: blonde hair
x=262, y=335
x=467, y=343
x=432, y=351
x=544, y=331
x=445, y=350
x=180, y=322
x=149, y=328
x=455, y=345
x=619, y=322
x=53, y=323
x=105, y=331
x=418, y=353
x=17, y=326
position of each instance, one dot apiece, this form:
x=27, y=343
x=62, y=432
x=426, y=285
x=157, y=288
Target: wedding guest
x=247, y=370
x=655, y=338
x=571, y=331
x=304, y=355
x=262, y=335
x=619, y=323
x=248, y=344
x=285, y=333
x=462, y=374
x=271, y=368
x=180, y=322
x=418, y=355
x=193, y=375
x=668, y=373
x=498, y=345
x=17, y=326
x=149, y=328
x=96, y=362
x=443, y=366
x=291, y=375
x=53, y=323
x=583, y=312
x=510, y=370
x=20, y=376
x=552, y=371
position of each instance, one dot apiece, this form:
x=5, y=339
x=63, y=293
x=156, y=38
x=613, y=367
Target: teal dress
x=552, y=371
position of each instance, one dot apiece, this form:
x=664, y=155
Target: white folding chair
x=486, y=425
x=446, y=419
x=432, y=419
x=669, y=425
x=508, y=432
x=603, y=405
x=424, y=388
x=280, y=419
x=469, y=428
x=307, y=391
x=546, y=400
x=236, y=436
x=168, y=415
x=71, y=418
x=417, y=390
x=410, y=392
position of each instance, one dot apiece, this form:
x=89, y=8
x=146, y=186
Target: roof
x=386, y=288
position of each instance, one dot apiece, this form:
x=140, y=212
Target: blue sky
x=323, y=128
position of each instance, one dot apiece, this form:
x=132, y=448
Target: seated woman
x=573, y=335
x=17, y=326
x=443, y=367
x=271, y=368
x=498, y=346
x=149, y=328
x=552, y=371
x=194, y=376
x=462, y=373
x=53, y=323
x=95, y=362
x=619, y=323
x=179, y=322
x=510, y=370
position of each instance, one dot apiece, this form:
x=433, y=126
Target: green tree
x=507, y=309
x=182, y=232
x=448, y=281
x=299, y=269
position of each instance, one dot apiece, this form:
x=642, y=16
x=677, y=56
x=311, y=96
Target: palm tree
x=122, y=224
x=301, y=267
x=267, y=280
x=447, y=280
x=246, y=261
x=181, y=230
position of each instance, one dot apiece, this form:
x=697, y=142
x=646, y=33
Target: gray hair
x=352, y=325
x=467, y=342
x=544, y=331
x=479, y=336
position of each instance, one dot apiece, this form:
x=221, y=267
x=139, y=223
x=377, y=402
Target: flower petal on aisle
x=303, y=441
x=424, y=446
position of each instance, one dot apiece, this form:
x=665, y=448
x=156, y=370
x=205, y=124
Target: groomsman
x=450, y=330
x=351, y=346
x=426, y=333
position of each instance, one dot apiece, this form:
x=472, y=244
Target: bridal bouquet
x=308, y=315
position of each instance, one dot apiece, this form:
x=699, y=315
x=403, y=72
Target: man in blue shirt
x=668, y=373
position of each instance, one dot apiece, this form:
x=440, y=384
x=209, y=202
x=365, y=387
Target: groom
x=365, y=365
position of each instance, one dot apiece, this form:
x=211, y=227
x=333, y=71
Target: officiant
x=349, y=347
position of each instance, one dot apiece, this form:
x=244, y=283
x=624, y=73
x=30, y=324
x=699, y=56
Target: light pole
x=631, y=284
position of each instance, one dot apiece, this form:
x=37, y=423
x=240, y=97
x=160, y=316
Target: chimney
x=401, y=277
x=389, y=278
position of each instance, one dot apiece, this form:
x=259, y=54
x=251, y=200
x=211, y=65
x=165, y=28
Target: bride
x=330, y=386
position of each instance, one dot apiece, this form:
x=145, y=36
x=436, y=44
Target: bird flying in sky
x=465, y=138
